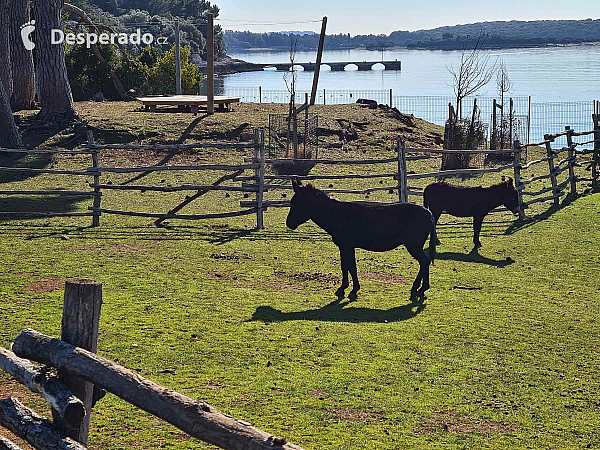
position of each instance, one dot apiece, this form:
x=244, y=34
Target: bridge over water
x=338, y=66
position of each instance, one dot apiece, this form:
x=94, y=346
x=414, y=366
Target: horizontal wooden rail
x=444, y=151
x=54, y=391
x=543, y=199
x=173, y=168
x=325, y=161
x=197, y=418
x=548, y=189
x=33, y=428
x=48, y=152
x=219, y=145
x=88, y=172
x=318, y=177
x=183, y=187
x=175, y=216
x=51, y=192
x=458, y=172
x=270, y=187
x=44, y=214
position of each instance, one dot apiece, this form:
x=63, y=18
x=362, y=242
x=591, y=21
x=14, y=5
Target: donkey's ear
x=503, y=178
x=296, y=184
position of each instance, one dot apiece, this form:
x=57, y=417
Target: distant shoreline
x=419, y=47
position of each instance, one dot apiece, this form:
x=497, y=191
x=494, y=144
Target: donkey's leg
x=352, y=268
x=477, y=221
x=344, y=264
x=419, y=254
x=436, y=217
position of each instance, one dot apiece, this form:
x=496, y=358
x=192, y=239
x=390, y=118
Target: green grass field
x=502, y=354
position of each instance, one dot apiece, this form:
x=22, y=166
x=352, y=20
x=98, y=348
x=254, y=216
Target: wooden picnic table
x=184, y=101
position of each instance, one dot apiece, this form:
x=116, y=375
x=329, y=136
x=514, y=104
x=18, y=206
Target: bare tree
x=5, y=67
x=9, y=136
x=290, y=79
x=472, y=74
x=21, y=59
x=504, y=85
x=51, y=70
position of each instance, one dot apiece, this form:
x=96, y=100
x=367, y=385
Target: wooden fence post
x=80, y=322
x=571, y=153
x=493, y=136
x=517, y=172
x=596, y=155
x=402, y=180
x=97, y=193
x=550, y=153
x=259, y=173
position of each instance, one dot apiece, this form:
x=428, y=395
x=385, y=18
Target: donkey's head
x=509, y=195
x=302, y=204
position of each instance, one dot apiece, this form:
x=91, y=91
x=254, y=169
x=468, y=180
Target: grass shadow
x=22, y=160
x=474, y=257
x=42, y=205
x=337, y=311
x=528, y=221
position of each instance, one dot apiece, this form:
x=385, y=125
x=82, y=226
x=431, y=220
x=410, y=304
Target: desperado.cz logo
x=59, y=36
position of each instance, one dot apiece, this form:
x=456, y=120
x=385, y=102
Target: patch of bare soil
x=46, y=285
x=357, y=415
x=383, y=276
x=452, y=422
x=317, y=394
x=326, y=278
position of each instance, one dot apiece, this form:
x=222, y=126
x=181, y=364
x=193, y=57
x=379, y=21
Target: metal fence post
x=259, y=153
x=260, y=94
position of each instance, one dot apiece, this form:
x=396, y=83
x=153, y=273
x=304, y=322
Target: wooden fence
x=557, y=160
x=82, y=378
x=97, y=186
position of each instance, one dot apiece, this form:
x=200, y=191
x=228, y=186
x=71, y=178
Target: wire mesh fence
x=535, y=119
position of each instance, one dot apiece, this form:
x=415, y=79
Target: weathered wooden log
x=91, y=170
x=43, y=214
x=34, y=428
x=5, y=444
x=319, y=177
x=176, y=216
x=50, y=192
x=171, y=146
x=196, y=418
x=54, y=391
x=47, y=152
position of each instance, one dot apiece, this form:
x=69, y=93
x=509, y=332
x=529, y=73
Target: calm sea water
x=553, y=74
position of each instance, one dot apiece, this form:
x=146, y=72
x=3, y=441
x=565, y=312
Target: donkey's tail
x=432, y=240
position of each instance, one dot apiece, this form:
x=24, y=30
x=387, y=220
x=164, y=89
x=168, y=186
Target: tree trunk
x=9, y=136
x=5, y=68
x=21, y=59
x=51, y=70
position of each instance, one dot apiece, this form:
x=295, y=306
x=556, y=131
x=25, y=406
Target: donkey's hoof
x=352, y=295
x=340, y=293
x=438, y=242
x=478, y=244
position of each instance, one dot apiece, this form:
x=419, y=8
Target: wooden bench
x=188, y=101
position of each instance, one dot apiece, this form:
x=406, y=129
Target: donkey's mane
x=315, y=191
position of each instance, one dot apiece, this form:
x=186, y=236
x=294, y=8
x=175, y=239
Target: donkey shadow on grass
x=474, y=257
x=337, y=311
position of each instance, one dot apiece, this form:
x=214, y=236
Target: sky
x=377, y=16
